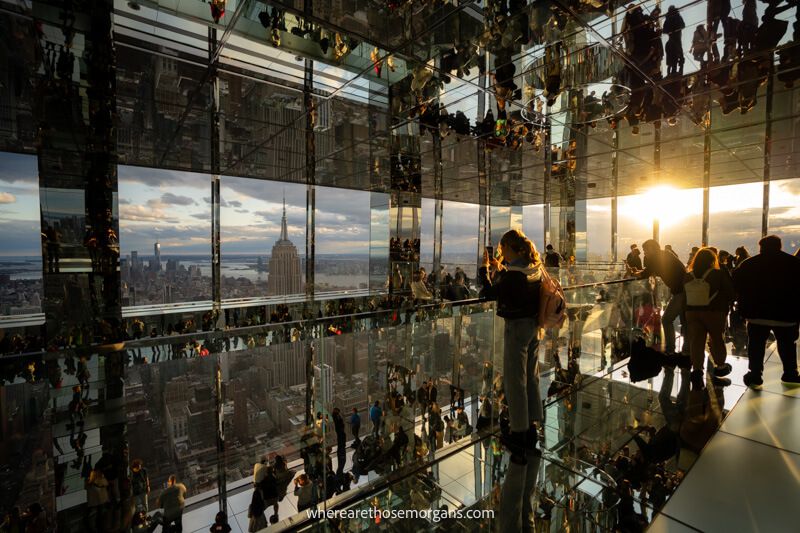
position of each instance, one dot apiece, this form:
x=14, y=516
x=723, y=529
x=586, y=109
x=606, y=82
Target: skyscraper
x=284, y=264
x=157, y=254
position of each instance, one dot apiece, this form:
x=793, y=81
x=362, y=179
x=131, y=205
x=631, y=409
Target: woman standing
x=516, y=288
x=709, y=292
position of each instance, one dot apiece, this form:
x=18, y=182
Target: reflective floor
x=608, y=464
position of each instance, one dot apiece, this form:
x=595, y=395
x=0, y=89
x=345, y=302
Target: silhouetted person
x=668, y=267
x=709, y=293
x=355, y=426
x=551, y=258
x=768, y=288
x=634, y=259
x=673, y=28
x=375, y=414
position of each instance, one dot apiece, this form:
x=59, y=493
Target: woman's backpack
x=552, y=304
x=698, y=290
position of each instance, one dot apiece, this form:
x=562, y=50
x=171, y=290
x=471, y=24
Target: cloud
x=19, y=168
x=140, y=213
x=173, y=199
x=163, y=178
x=201, y=216
x=7, y=198
x=124, y=201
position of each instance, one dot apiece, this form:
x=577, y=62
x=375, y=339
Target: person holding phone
x=516, y=289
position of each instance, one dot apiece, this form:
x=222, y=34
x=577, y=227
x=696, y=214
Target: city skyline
x=173, y=208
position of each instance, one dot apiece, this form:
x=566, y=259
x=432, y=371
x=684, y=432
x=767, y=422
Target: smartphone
x=490, y=251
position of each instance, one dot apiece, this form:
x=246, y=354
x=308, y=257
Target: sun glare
x=666, y=204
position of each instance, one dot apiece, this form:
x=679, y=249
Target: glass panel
x=598, y=229
x=342, y=239
x=172, y=422
x=735, y=216
x=784, y=214
x=21, y=237
x=680, y=213
x=165, y=236
x=533, y=224
x=252, y=221
x=460, y=238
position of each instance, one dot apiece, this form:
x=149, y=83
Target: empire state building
x=284, y=265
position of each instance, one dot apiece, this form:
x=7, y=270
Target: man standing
x=768, y=286
x=172, y=500
x=355, y=426
x=668, y=267
x=375, y=414
x=341, y=440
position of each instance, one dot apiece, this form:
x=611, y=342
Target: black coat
x=516, y=291
x=768, y=287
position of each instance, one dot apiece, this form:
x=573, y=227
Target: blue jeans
x=521, y=373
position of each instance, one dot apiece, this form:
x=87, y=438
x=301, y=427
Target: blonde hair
x=516, y=241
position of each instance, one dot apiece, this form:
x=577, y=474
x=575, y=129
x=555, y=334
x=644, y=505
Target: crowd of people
x=716, y=296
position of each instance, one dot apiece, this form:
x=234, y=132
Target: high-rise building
x=284, y=264
x=157, y=255
x=323, y=382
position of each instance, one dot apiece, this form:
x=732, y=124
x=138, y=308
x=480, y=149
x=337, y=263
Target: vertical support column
x=548, y=173
x=405, y=201
x=75, y=111
x=438, y=210
x=706, y=174
x=657, y=166
x=215, y=146
x=379, y=201
x=768, y=146
x=483, y=180
x=311, y=182
x=615, y=197
x=707, y=126
x=614, y=166
x=216, y=265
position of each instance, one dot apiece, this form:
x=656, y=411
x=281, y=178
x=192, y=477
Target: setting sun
x=666, y=204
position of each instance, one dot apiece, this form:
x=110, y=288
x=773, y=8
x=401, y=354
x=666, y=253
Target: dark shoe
x=722, y=370
x=791, y=379
x=720, y=382
x=697, y=379
x=752, y=380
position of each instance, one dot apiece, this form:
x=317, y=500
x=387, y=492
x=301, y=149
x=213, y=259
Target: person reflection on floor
x=517, y=503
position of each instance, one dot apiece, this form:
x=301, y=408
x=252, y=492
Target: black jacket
x=516, y=291
x=666, y=266
x=768, y=287
x=552, y=259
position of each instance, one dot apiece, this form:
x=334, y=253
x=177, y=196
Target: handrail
x=261, y=329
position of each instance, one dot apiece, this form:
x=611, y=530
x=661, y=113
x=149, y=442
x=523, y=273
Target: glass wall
x=680, y=213
x=459, y=237
x=735, y=216
x=251, y=225
x=598, y=229
x=784, y=213
x=341, y=238
x=165, y=236
x=533, y=224
x=20, y=231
